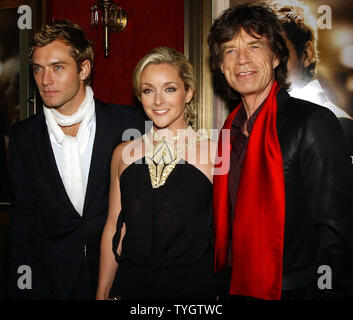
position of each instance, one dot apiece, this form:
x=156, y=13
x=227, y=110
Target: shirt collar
x=241, y=117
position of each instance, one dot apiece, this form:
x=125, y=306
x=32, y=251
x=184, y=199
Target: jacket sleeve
x=21, y=223
x=326, y=170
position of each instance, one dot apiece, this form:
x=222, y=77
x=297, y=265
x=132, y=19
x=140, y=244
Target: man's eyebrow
x=227, y=46
x=51, y=64
x=258, y=41
x=58, y=62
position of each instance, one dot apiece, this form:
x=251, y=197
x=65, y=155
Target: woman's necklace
x=163, y=156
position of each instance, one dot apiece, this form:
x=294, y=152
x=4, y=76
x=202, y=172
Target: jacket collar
x=46, y=160
x=282, y=100
x=101, y=153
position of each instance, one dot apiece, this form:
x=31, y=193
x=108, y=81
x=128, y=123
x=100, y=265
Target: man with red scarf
x=283, y=212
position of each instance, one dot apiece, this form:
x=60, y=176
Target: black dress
x=166, y=251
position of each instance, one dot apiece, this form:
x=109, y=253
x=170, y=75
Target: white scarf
x=73, y=147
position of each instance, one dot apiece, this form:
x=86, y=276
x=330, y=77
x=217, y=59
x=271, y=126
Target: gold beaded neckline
x=162, y=154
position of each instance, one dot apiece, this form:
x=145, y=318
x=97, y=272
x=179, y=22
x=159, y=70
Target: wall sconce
x=114, y=19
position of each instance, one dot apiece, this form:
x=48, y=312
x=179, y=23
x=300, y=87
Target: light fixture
x=114, y=19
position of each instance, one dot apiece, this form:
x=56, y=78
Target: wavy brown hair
x=71, y=34
x=300, y=26
x=256, y=19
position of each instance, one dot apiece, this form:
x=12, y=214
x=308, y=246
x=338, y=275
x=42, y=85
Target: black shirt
x=239, y=143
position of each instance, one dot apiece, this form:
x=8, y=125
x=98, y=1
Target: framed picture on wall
x=18, y=20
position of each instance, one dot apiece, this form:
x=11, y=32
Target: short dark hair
x=299, y=24
x=71, y=34
x=255, y=19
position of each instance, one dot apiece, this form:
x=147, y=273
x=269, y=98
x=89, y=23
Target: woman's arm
x=108, y=265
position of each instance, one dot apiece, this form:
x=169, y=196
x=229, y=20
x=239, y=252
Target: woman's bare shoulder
x=126, y=153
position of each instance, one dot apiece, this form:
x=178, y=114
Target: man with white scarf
x=60, y=168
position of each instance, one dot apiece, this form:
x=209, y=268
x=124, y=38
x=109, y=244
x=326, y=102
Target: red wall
x=151, y=23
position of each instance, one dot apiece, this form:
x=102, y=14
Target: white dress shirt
x=85, y=151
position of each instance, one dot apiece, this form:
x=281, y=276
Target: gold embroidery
x=163, y=156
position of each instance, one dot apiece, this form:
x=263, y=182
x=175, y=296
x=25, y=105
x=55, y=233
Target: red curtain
x=150, y=24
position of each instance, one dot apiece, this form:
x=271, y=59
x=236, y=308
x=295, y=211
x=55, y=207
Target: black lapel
x=47, y=163
x=101, y=153
x=282, y=99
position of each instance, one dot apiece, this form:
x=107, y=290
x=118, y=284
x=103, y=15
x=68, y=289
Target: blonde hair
x=170, y=56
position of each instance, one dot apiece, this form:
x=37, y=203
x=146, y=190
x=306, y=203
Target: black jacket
x=46, y=232
x=319, y=197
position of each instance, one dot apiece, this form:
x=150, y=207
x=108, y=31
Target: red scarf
x=258, y=228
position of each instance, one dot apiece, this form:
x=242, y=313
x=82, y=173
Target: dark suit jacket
x=46, y=232
x=347, y=126
x=319, y=198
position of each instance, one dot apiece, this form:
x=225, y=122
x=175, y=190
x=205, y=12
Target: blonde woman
x=161, y=194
